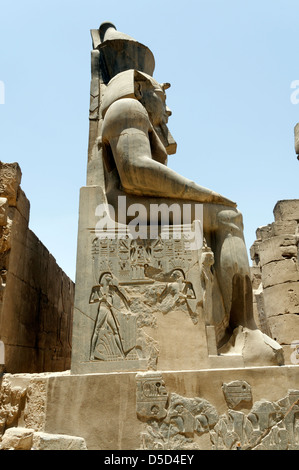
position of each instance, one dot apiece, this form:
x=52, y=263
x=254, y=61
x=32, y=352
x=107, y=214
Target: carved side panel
x=135, y=281
x=182, y=422
x=180, y=425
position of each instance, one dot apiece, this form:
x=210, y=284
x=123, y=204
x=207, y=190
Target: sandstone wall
x=275, y=274
x=36, y=296
x=222, y=409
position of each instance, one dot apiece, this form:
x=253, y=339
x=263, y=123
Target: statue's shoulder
x=124, y=113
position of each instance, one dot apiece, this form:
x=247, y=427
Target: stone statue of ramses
x=135, y=143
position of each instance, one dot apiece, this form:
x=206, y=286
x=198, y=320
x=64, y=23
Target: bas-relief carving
x=128, y=151
x=173, y=422
x=237, y=392
x=151, y=396
x=268, y=426
x=114, y=334
x=137, y=279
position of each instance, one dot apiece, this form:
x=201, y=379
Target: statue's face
x=154, y=100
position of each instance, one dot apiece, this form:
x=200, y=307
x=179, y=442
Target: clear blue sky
x=231, y=64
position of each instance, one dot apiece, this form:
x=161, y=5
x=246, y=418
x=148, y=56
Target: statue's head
x=150, y=93
x=153, y=97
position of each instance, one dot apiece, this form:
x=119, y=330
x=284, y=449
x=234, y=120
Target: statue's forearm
x=147, y=177
x=128, y=134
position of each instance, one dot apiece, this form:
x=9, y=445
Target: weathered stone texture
x=220, y=409
x=27, y=439
x=36, y=296
x=275, y=276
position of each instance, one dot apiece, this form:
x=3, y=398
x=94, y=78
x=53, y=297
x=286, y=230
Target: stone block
x=277, y=228
x=45, y=441
x=21, y=302
x=33, y=273
x=284, y=227
x=277, y=248
x=287, y=210
x=17, y=439
x=10, y=179
x=23, y=205
x=285, y=329
x=3, y=211
x=282, y=299
x=279, y=272
x=255, y=276
x=18, y=227
x=264, y=232
x=54, y=281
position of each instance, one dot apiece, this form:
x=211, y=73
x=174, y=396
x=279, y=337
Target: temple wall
x=275, y=274
x=36, y=296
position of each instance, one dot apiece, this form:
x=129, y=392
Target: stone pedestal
x=253, y=408
x=138, y=302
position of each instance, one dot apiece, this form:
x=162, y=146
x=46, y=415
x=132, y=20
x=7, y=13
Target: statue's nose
x=168, y=111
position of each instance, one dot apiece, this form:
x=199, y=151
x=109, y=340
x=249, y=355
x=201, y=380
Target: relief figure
x=114, y=333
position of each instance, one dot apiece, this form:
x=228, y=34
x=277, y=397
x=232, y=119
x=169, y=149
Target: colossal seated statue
x=129, y=147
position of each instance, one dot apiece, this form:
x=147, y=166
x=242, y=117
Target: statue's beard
x=166, y=138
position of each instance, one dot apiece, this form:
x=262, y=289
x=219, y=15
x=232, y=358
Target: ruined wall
x=275, y=274
x=36, y=296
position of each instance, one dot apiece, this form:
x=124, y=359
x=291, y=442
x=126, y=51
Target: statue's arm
x=127, y=129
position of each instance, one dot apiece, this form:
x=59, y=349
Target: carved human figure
x=176, y=292
x=108, y=340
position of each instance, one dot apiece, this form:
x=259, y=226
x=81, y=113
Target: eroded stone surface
x=12, y=400
x=36, y=297
x=266, y=426
x=17, y=439
x=46, y=441
x=275, y=276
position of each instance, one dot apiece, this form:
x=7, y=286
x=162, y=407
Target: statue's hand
x=217, y=198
